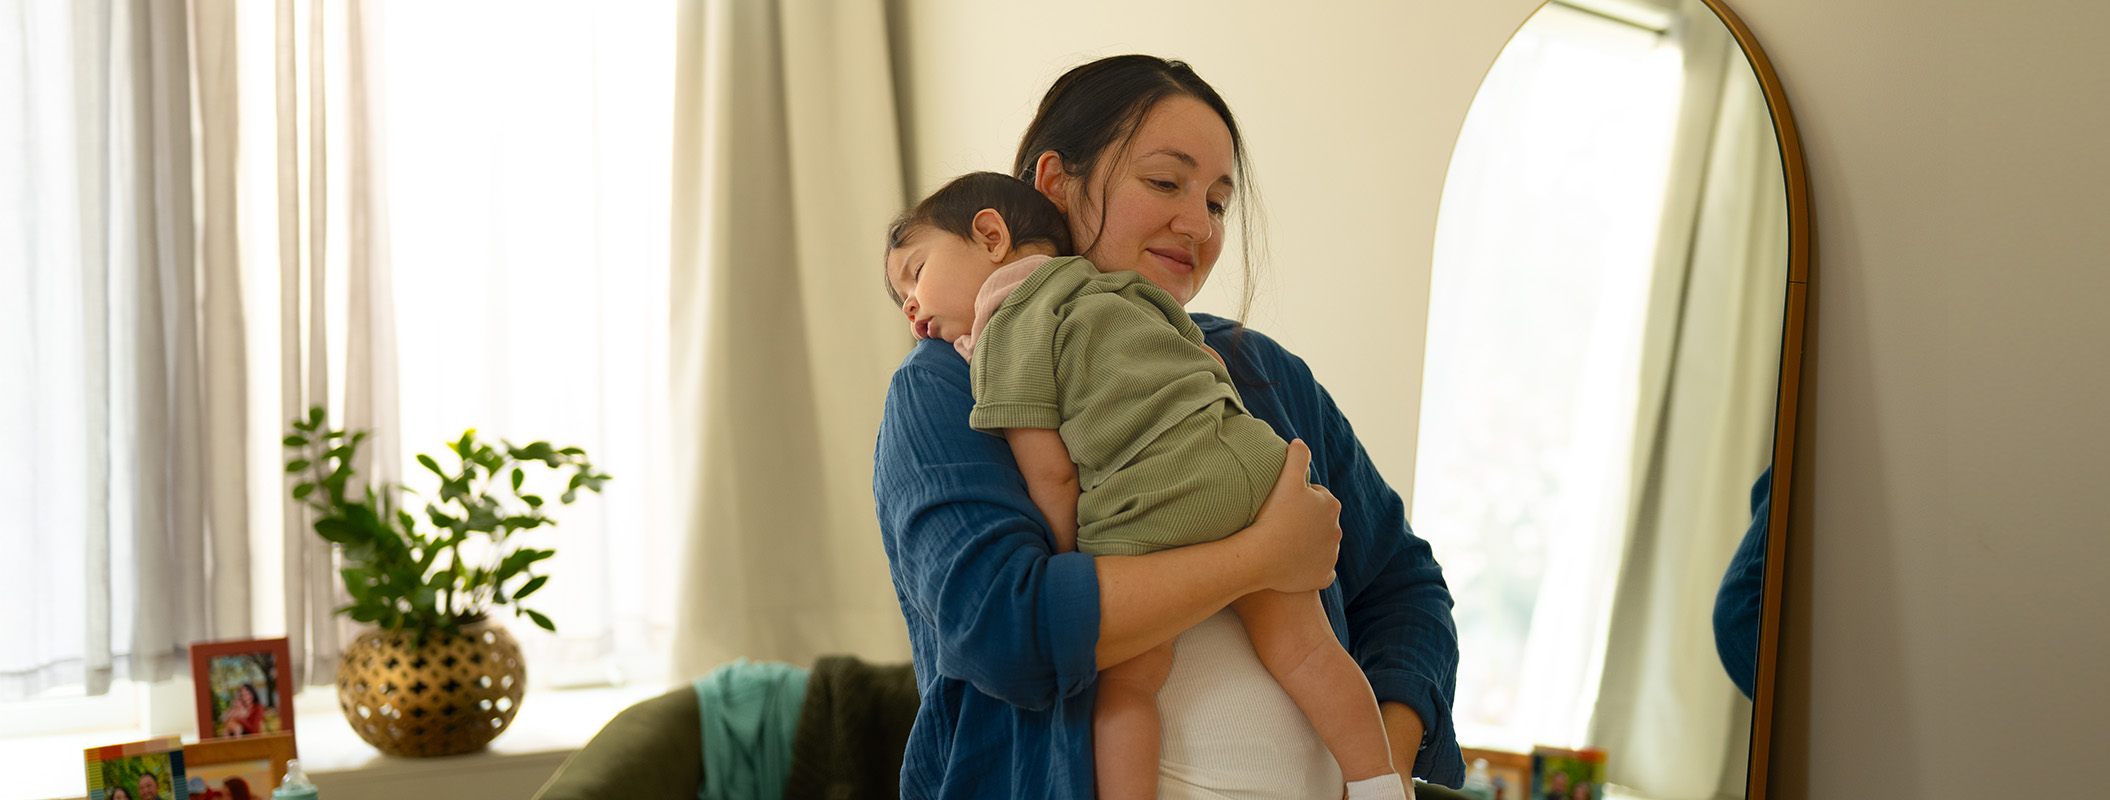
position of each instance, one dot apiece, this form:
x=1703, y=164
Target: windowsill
x=552, y=723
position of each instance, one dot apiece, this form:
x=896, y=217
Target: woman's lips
x=1177, y=260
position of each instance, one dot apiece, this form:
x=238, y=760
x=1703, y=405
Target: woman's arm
x=1290, y=547
x=1051, y=480
x=973, y=562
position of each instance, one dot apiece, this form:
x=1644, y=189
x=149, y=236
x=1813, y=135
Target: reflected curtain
x=787, y=169
x=1676, y=726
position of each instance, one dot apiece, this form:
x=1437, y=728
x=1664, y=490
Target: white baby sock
x=1383, y=787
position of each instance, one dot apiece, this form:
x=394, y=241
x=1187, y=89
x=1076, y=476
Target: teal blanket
x=750, y=711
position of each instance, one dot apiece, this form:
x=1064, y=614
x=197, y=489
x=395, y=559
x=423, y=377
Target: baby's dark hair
x=1031, y=217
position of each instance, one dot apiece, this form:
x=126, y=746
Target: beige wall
x=1948, y=624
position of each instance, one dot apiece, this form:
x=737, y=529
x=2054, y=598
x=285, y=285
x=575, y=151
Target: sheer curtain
x=529, y=159
x=1534, y=350
x=786, y=170
x=187, y=168
x=120, y=406
x=1666, y=706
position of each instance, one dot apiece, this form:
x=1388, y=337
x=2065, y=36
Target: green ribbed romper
x=1166, y=454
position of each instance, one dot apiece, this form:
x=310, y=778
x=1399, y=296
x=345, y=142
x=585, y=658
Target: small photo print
x=239, y=780
x=239, y=767
x=151, y=770
x=243, y=687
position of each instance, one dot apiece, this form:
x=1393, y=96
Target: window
x=524, y=163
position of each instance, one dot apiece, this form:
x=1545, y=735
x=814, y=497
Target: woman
x=1145, y=160
x=244, y=715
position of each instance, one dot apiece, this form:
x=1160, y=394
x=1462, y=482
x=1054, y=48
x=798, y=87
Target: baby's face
x=938, y=275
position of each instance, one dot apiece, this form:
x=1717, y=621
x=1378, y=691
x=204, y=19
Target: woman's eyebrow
x=1188, y=160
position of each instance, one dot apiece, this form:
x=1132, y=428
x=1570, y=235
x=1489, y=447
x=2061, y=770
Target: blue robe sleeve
x=971, y=557
x=1736, y=604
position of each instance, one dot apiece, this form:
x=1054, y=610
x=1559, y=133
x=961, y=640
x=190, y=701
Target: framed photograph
x=149, y=770
x=245, y=768
x=245, y=687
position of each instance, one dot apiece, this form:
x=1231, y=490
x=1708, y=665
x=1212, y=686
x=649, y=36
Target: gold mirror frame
x=1800, y=262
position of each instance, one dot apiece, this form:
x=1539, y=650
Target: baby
x=1131, y=439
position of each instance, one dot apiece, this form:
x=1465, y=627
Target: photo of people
x=240, y=780
x=141, y=771
x=242, y=687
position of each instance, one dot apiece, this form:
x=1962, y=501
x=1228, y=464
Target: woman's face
x=1163, y=200
x=246, y=695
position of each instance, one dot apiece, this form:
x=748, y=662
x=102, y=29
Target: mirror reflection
x=1611, y=263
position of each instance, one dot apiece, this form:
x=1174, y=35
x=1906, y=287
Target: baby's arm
x=1051, y=478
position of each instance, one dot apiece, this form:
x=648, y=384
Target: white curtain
x=529, y=156
x=1677, y=726
x=322, y=241
x=1527, y=420
x=787, y=169
x=143, y=238
x=123, y=389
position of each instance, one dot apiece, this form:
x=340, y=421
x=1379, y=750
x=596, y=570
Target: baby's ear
x=992, y=235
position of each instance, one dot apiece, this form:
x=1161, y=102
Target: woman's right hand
x=1297, y=534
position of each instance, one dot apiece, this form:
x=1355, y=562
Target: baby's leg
x=1294, y=640
x=1125, y=727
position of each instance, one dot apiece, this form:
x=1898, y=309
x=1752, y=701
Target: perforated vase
x=451, y=696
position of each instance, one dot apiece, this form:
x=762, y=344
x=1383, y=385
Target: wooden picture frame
x=238, y=768
x=229, y=675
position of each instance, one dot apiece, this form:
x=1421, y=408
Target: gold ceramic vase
x=452, y=695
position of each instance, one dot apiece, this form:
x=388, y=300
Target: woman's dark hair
x=1093, y=112
x=1031, y=217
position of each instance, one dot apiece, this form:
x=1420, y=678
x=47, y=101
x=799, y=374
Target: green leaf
x=296, y=465
x=356, y=582
x=518, y=477
x=568, y=497
x=315, y=415
x=542, y=621
x=572, y=451
x=333, y=435
x=341, y=531
x=439, y=518
x=295, y=441
x=530, y=587
x=302, y=490
x=533, y=501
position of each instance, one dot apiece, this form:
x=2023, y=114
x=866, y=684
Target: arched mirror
x=1609, y=393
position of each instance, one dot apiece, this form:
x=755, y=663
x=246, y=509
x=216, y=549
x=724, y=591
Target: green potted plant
x=434, y=675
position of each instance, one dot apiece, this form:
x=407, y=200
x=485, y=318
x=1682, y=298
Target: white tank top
x=1230, y=731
